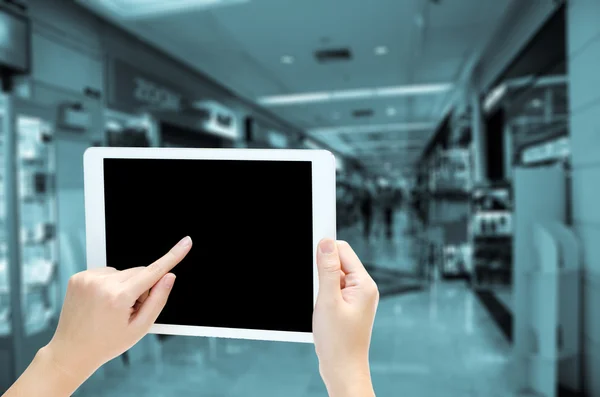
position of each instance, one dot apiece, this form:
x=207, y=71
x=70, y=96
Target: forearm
x=45, y=377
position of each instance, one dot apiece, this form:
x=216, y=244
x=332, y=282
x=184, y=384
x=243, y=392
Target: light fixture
x=287, y=59
x=396, y=127
x=131, y=9
x=536, y=103
x=390, y=111
x=494, y=97
x=381, y=50
x=328, y=96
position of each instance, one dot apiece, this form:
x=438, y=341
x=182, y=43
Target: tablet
x=255, y=217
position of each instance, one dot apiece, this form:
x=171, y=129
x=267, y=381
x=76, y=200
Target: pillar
x=583, y=38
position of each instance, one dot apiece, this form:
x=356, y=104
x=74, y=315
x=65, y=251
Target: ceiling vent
x=362, y=113
x=333, y=55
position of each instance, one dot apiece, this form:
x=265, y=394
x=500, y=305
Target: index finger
x=146, y=279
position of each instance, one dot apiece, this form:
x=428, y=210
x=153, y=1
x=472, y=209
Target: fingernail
x=327, y=246
x=169, y=280
x=185, y=242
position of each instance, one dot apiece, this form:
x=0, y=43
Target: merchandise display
x=39, y=248
x=491, y=232
x=457, y=260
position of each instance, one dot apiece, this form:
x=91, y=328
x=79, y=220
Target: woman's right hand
x=343, y=320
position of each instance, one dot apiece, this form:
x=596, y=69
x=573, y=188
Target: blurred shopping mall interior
x=467, y=142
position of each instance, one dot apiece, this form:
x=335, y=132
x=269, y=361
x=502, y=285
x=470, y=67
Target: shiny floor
x=432, y=341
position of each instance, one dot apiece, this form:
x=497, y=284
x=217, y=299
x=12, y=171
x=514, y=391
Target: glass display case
x=30, y=296
x=37, y=218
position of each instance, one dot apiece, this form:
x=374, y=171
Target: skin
x=107, y=311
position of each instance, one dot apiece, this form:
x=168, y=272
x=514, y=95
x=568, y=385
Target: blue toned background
x=466, y=137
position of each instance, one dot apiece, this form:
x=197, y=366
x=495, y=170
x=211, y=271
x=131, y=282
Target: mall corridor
x=459, y=142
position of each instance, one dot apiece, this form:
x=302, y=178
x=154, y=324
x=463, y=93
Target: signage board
x=217, y=119
x=130, y=89
x=556, y=149
x=14, y=41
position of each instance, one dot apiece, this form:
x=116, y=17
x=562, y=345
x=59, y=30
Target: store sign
x=149, y=92
x=14, y=41
x=556, y=149
x=217, y=119
x=132, y=89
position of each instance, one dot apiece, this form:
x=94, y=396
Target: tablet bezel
x=323, y=202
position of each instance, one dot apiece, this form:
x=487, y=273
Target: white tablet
x=255, y=217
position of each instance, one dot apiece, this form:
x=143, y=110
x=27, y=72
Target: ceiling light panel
x=287, y=59
x=374, y=128
x=381, y=50
x=366, y=93
x=133, y=9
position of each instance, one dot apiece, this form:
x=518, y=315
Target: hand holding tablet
x=343, y=320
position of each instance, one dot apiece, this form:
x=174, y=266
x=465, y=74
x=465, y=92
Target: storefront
x=145, y=110
x=30, y=293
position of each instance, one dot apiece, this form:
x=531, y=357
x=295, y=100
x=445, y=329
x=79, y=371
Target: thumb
x=329, y=267
x=156, y=301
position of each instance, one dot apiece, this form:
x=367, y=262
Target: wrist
x=67, y=369
x=349, y=381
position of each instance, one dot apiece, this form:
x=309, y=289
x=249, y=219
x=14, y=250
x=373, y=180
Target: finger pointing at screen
x=106, y=313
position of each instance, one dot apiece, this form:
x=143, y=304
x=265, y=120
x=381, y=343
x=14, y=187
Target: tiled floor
x=433, y=342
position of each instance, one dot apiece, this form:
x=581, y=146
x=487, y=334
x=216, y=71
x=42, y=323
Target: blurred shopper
x=388, y=212
x=366, y=209
x=391, y=199
x=107, y=311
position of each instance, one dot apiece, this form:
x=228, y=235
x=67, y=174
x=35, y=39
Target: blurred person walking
x=366, y=209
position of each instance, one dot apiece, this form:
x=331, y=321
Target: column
x=583, y=32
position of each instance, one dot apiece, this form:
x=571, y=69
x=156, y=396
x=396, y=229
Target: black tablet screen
x=251, y=224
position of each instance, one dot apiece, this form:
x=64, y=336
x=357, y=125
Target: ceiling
x=265, y=48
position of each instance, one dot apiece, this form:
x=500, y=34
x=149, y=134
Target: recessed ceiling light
x=287, y=59
x=536, y=103
x=381, y=50
x=390, y=111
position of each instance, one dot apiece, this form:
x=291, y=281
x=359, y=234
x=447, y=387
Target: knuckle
x=118, y=297
x=331, y=265
x=372, y=288
x=343, y=244
x=75, y=280
x=155, y=269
